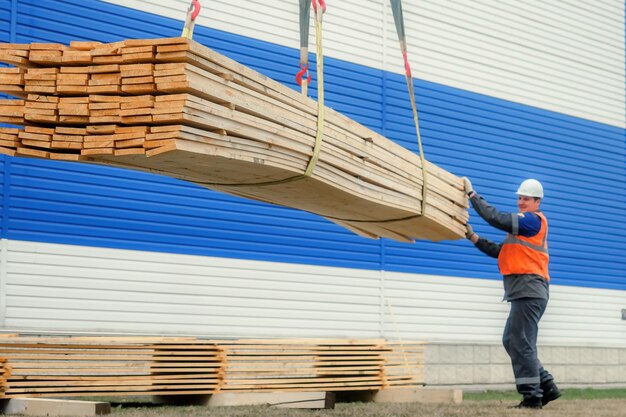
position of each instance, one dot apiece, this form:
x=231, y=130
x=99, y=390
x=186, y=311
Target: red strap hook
x=407, y=66
x=304, y=69
x=195, y=4
x=322, y=3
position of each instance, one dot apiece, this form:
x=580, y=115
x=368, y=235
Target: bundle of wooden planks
x=5, y=372
x=100, y=366
x=117, y=366
x=310, y=365
x=174, y=107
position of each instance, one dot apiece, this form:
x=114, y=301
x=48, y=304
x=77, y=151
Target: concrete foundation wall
x=481, y=364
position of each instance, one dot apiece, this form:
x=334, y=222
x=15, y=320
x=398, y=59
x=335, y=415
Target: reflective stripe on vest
x=526, y=255
x=514, y=239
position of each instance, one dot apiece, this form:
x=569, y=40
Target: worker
x=523, y=261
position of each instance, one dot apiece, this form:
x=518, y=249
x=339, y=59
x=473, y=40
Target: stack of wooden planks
x=404, y=364
x=5, y=372
x=103, y=366
x=54, y=366
x=314, y=365
x=174, y=107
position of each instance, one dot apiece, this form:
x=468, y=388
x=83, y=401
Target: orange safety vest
x=526, y=255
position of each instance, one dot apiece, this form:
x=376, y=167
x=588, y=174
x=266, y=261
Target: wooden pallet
x=174, y=107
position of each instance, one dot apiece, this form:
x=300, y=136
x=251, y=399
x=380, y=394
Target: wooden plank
x=125, y=383
x=27, y=152
x=9, y=143
x=74, y=70
x=118, y=393
x=50, y=407
x=43, y=46
x=76, y=57
x=103, y=106
x=55, y=144
x=16, y=60
x=99, y=69
x=137, y=70
x=97, y=98
x=118, y=378
x=156, y=41
x=113, y=389
x=85, y=45
x=46, y=57
x=97, y=151
x=129, y=151
x=100, y=129
x=110, y=49
x=303, y=400
x=64, y=130
x=14, y=46
x=416, y=394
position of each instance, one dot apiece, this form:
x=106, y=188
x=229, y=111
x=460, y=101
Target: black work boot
x=550, y=392
x=530, y=402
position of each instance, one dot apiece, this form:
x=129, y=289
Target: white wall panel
x=564, y=56
x=63, y=288
x=3, y=281
x=464, y=309
x=528, y=54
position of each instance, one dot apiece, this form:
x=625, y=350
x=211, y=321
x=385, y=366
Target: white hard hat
x=530, y=188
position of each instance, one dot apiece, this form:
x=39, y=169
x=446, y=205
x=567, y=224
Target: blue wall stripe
x=5, y=20
x=13, y=20
x=496, y=142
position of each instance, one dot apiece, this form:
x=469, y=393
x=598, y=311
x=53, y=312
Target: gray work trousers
x=520, y=341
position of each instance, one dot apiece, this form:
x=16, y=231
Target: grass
x=574, y=403
x=568, y=394
x=573, y=408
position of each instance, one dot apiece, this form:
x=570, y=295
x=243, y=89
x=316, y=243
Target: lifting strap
x=396, y=7
x=190, y=20
x=305, y=10
x=319, y=12
x=319, y=7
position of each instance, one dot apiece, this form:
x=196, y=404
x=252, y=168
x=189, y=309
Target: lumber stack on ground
x=5, y=372
x=120, y=366
x=101, y=366
x=320, y=365
x=174, y=107
x=404, y=364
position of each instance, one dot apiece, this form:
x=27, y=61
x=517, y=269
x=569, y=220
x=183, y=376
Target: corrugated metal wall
x=562, y=56
x=68, y=288
x=198, y=221
x=494, y=140
x=558, y=55
x=5, y=19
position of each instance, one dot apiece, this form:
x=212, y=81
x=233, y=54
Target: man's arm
x=486, y=246
x=502, y=220
x=525, y=224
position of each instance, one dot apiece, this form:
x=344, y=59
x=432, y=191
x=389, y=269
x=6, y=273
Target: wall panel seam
x=13, y=32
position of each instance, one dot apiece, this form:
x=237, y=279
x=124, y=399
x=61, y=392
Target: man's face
x=527, y=204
